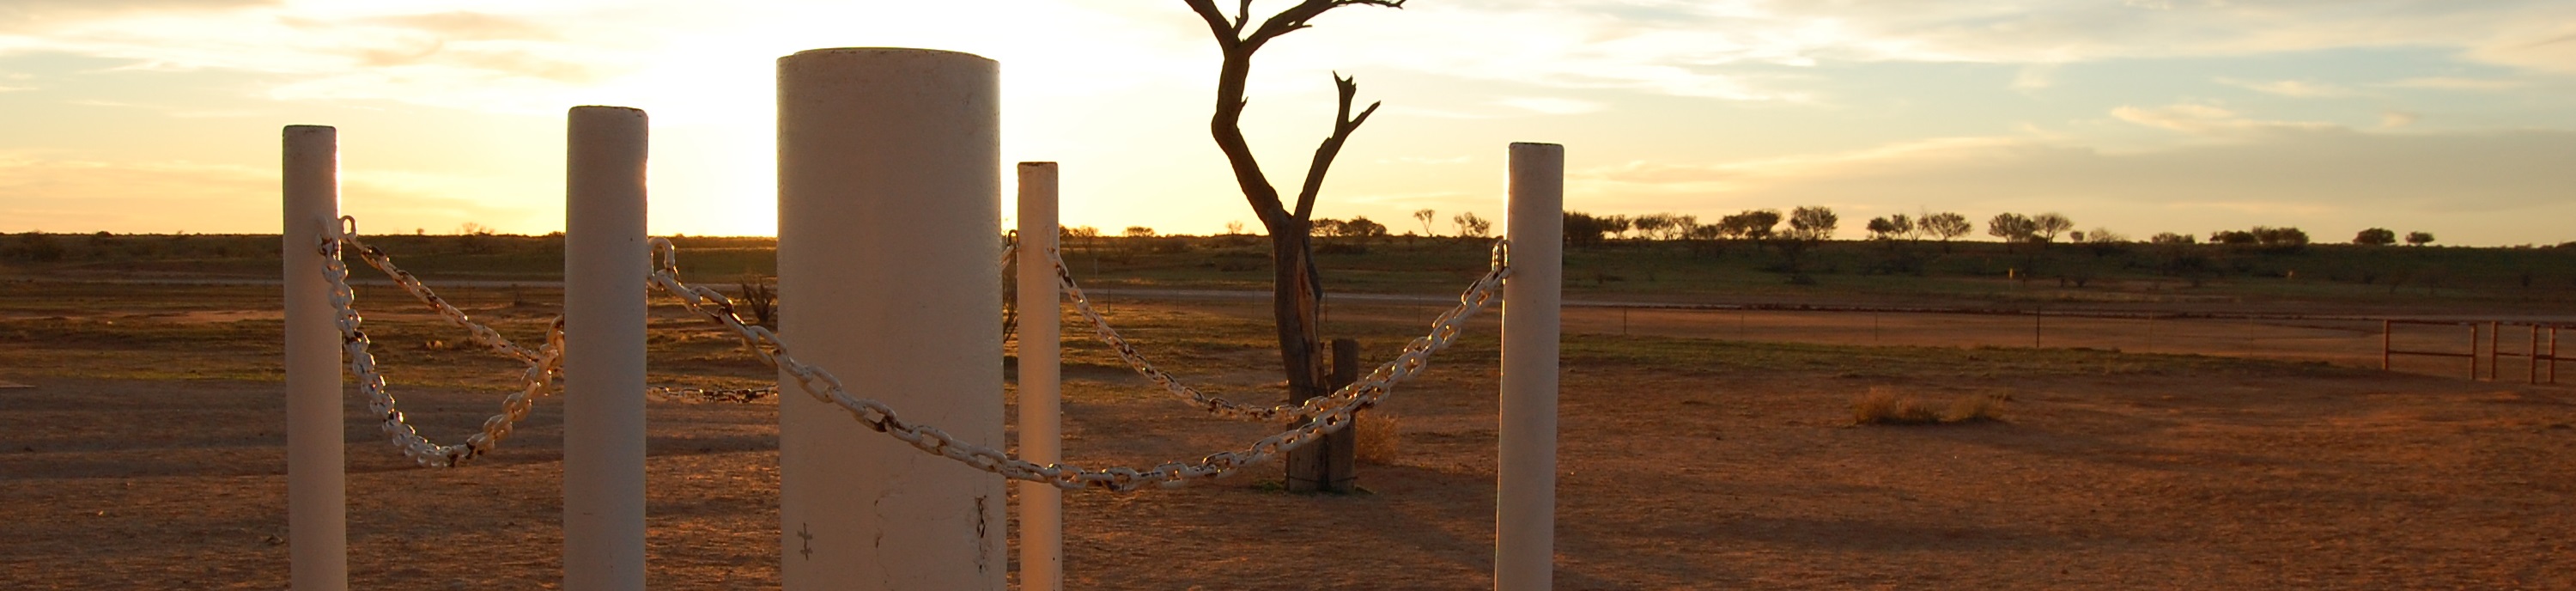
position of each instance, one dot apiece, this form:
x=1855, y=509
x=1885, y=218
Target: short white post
x=1525, y=503
x=605, y=262
x=1041, y=375
x=889, y=222
x=317, y=513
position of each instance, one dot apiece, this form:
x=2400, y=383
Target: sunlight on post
x=316, y=480
x=1525, y=504
x=889, y=192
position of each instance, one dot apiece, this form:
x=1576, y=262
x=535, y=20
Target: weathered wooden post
x=2534, y=351
x=2473, y=350
x=2495, y=352
x=1041, y=379
x=317, y=512
x=889, y=192
x=1329, y=464
x=2387, y=342
x=1525, y=503
x=605, y=258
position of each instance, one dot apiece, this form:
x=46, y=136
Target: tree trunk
x=1296, y=306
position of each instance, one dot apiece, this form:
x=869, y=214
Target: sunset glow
x=2141, y=116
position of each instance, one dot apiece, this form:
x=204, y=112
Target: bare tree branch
x=1226, y=35
x=1226, y=125
x=1343, y=125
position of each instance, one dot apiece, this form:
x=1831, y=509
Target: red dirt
x=1698, y=476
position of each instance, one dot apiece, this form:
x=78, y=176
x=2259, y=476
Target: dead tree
x=1295, y=286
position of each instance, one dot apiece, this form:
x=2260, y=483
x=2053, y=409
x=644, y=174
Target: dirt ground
x=1691, y=458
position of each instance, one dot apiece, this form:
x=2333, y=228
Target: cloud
x=1426, y=160
x=2290, y=88
x=2035, y=77
x=2453, y=83
x=472, y=26
x=2211, y=121
x=172, y=196
x=18, y=15
x=2548, y=45
x=1551, y=105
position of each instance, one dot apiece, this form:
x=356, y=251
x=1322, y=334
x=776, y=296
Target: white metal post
x=889, y=219
x=605, y=262
x=1525, y=504
x=317, y=513
x=1041, y=385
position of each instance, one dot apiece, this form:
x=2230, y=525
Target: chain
x=482, y=335
x=1478, y=294
x=825, y=387
x=539, y=380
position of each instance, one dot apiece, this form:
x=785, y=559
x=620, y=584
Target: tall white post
x=1525, y=504
x=316, y=462
x=605, y=262
x=889, y=220
x=1041, y=385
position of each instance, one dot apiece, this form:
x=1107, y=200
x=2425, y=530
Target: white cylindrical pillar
x=889, y=215
x=1525, y=503
x=1041, y=385
x=605, y=263
x=316, y=462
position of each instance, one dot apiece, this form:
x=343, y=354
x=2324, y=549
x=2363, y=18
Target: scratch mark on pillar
x=983, y=549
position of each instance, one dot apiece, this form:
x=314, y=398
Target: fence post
x=605, y=258
x=2495, y=353
x=1326, y=464
x=1041, y=379
x=2534, y=351
x=316, y=481
x=2034, y=326
x=2473, y=351
x=889, y=210
x=1525, y=504
x=2387, y=340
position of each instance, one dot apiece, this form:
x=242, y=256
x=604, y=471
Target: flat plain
x=1702, y=448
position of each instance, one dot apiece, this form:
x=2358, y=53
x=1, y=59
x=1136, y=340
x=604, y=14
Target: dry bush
x=1975, y=408
x=1883, y=407
x=1381, y=436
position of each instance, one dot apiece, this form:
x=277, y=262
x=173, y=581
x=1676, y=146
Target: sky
x=2454, y=117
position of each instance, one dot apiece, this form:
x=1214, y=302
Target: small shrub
x=1883, y=407
x=1974, y=408
x=1381, y=436
x=760, y=298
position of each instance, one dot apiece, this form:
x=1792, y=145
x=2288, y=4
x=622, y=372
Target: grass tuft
x=1884, y=407
x=1381, y=436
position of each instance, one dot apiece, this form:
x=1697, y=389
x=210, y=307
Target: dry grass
x=1381, y=436
x=1884, y=407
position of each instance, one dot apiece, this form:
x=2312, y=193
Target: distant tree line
x=1816, y=223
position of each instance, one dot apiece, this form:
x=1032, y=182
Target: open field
x=1700, y=450
x=2125, y=277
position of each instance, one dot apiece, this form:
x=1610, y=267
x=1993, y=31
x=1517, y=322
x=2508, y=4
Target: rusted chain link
x=825, y=387
x=1222, y=407
x=539, y=380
